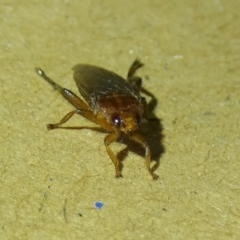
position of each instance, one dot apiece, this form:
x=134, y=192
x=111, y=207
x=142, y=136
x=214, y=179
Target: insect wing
x=95, y=82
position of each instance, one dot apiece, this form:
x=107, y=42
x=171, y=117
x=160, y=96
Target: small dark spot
x=227, y=98
x=175, y=121
x=80, y=215
x=208, y=113
x=41, y=207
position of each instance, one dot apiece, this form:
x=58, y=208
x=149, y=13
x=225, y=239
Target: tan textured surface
x=191, y=53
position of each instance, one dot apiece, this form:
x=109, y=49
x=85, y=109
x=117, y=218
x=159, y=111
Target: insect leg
x=63, y=120
x=42, y=74
x=134, y=80
x=139, y=139
x=107, y=141
x=137, y=82
x=134, y=67
x=82, y=107
x=69, y=95
x=88, y=114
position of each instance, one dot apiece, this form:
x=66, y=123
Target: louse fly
x=111, y=102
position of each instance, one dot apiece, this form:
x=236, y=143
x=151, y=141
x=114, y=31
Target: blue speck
x=98, y=205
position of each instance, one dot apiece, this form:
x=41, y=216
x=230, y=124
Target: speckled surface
x=51, y=180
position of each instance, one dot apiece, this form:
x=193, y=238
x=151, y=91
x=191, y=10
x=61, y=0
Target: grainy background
x=51, y=180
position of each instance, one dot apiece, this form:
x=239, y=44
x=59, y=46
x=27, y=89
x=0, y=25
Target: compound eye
x=116, y=121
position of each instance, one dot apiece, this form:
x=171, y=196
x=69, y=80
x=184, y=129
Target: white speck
x=9, y=45
x=130, y=51
x=178, y=57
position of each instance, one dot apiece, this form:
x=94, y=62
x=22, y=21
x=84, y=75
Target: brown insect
x=111, y=102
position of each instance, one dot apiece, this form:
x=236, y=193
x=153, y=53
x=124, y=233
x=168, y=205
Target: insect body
x=111, y=102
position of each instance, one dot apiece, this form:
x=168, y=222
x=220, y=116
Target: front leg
x=141, y=140
x=112, y=137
